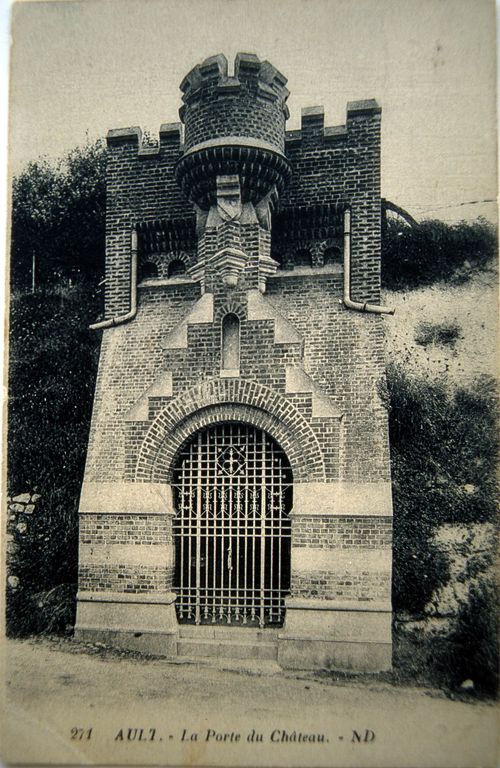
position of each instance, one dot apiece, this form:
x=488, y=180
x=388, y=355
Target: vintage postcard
x=251, y=423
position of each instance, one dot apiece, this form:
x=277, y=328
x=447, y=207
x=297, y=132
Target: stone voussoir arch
x=179, y=255
x=230, y=307
x=229, y=400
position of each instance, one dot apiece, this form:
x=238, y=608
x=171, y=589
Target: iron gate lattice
x=233, y=495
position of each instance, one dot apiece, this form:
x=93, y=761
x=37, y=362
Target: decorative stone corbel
x=229, y=263
x=267, y=267
x=228, y=197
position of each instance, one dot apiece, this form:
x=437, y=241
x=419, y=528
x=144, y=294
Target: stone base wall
x=144, y=623
x=317, y=634
x=341, y=635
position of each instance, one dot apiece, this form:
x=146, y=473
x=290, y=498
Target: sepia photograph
x=250, y=419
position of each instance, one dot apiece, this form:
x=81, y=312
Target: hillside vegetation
x=442, y=354
x=433, y=252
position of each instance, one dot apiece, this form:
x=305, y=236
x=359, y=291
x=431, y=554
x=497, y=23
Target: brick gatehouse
x=237, y=495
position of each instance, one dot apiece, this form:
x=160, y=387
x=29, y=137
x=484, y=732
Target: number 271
x=81, y=733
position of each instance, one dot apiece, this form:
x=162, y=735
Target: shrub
x=444, y=334
x=47, y=612
x=52, y=366
x=471, y=650
x=444, y=447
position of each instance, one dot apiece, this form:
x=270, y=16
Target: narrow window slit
x=231, y=344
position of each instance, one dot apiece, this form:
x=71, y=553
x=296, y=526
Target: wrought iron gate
x=233, y=493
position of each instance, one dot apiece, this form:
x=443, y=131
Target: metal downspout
x=119, y=319
x=360, y=306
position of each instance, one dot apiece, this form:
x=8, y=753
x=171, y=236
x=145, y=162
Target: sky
x=80, y=67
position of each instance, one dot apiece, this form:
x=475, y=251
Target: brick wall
x=131, y=356
x=151, y=530
x=357, y=563
x=342, y=585
x=344, y=355
x=123, y=577
x=112, y=564
x=242, y=116
x=325, y=532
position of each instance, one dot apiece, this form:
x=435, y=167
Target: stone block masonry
x=21, y=514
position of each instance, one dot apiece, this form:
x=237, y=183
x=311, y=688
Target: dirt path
x=197, y=715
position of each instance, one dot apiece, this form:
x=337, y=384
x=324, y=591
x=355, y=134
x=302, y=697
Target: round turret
x=233, y=125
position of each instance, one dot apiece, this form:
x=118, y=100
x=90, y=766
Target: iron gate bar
x=232, y=488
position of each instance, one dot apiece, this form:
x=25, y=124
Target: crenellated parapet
x=313, y=127
x=170, y=138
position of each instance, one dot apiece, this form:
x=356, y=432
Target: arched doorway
x=233, y=494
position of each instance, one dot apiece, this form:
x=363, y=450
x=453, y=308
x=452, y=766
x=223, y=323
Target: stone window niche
x=230, y=347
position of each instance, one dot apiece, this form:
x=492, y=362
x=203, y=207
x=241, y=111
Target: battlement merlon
x=132, y=135
x=364, y=107
x=170, y=136
x=313, y=121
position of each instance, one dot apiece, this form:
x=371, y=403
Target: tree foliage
x=433, y=250
x=472, y=649
x=52, y=364
x=58, y=218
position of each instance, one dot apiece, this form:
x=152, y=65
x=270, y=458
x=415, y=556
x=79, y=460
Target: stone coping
x=315, y=499
x=234, y=141
x=353, y=559
x=342, y=499
x=316, y=272
x=121, y=498
x=125, y=630
x=314, y=637
x=161, y=282
x=308, y=604
x=160, y=598
x=329, y=269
